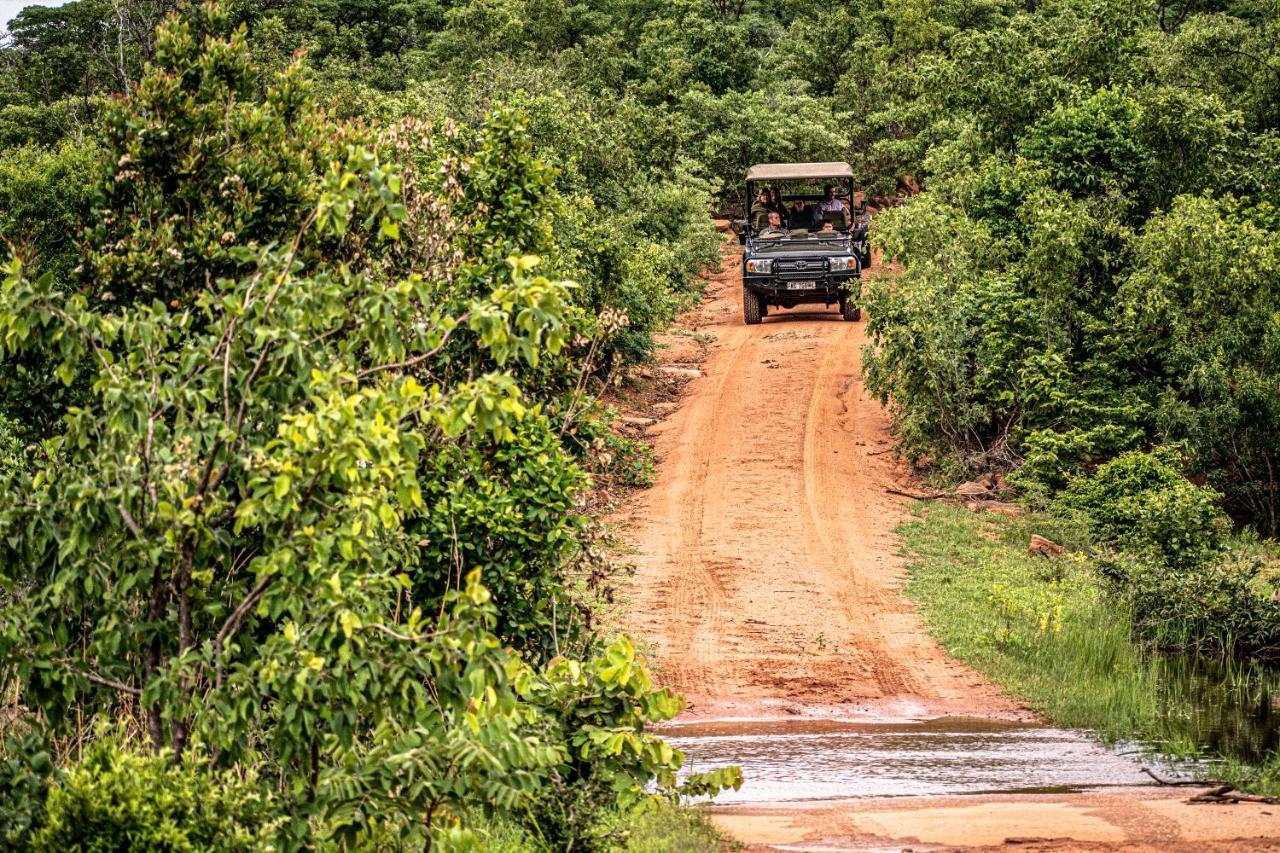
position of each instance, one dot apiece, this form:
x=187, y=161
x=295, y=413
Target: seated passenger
x=801, y=216
x=773, y=230
x=775, y=202
x=828, y=227
x=760, y=209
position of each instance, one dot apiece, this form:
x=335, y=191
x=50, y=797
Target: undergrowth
x=660, y=827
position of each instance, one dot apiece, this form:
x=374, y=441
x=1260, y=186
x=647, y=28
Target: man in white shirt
x=831, y=204
x=773, y=231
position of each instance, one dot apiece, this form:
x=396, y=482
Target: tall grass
x=1044, y=629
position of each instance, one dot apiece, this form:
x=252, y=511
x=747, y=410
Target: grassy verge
x=1048, y=631
x=660, y=828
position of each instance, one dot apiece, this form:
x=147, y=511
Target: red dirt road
x=767, y=585
x=767, y=581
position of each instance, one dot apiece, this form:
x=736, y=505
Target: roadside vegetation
x=1054, y=631
x=299, y=417
x=1087, y=305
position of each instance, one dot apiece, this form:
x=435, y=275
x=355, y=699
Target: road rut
x=766, y=577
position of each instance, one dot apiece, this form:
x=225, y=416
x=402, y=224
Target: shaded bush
x=26, y=769
x=1142, y=502
x=1214, y=604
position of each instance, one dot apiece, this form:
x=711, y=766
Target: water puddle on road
x=792, y=760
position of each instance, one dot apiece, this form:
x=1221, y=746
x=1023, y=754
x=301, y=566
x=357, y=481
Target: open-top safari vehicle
x=805, y=239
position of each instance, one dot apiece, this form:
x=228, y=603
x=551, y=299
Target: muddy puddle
x=822, y=760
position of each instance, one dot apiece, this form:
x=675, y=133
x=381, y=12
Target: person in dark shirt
x=776, y=205
x=801, y=216
x=760, y=209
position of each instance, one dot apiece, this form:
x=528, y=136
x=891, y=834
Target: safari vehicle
x=806, y=264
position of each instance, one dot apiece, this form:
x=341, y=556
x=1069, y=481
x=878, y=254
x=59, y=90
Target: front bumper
x=826, y=288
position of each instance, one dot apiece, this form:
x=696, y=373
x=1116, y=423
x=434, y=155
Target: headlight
x=760, y=265
x=843, y=264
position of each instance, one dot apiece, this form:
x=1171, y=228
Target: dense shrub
x=1215, y=604
x=1164, y=546
x=508, y=508
x=1142, y=502
x=1200, y=309
x=1092, y=267
x=304, y=443
x=45, y=198
x=26, y=769
x=116, y=799
x=598, y=710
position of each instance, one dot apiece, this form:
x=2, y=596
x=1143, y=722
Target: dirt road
x=767, y=581
x=767, y=586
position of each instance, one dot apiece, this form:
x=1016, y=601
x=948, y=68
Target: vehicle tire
x=849, y=311
x=750, y=306
x=865, y=260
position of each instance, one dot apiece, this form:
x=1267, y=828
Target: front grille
x=800, y=267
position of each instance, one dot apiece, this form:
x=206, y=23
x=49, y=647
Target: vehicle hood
x=820, y=248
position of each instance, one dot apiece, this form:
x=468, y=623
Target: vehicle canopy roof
x=798, y=171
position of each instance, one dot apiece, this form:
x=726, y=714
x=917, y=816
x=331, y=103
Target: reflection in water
x=1223, y=707
x=1212, y=707
x=800, y=760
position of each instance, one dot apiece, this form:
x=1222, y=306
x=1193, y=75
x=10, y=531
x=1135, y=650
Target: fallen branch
x=1179, y=783
x=880, y=452
x=1227, y=795
x=914, y=496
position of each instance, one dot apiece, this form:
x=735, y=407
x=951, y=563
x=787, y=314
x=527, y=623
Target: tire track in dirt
x=766, y=577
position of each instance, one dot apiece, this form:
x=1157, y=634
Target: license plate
x=801, y=285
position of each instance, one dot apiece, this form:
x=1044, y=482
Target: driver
x=774, y=229
x=831, y=204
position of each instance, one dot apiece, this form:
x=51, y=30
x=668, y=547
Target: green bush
x=26, y=769
x=116, y=800
x=292, y=476
x=1141, y=501
x=509, y=509
x=10, y=445
x=600, y=710
x=45, y=197
x=662, y=827
x=1201, y=308
x=1213, y=605
x=1168, y=554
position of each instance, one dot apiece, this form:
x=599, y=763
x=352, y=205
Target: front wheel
x=849, y=311
x=750, y=306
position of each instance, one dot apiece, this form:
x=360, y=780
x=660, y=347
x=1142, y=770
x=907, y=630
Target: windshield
x=783, y=211
x=801, y=242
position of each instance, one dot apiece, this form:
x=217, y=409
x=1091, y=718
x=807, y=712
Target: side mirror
x=739, y=227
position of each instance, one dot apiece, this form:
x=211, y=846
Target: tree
x=225, y=544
